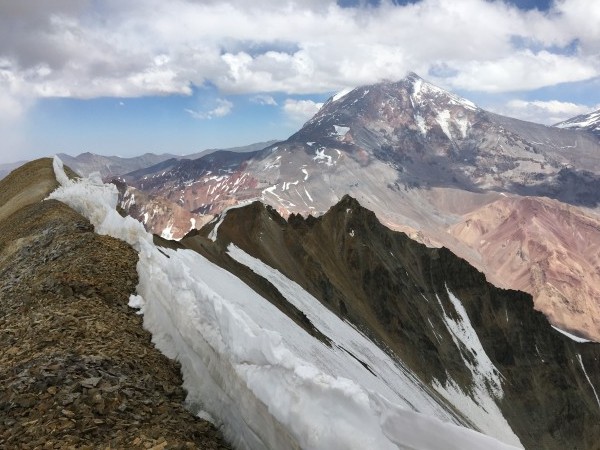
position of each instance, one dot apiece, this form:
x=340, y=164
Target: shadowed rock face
x=400, y=292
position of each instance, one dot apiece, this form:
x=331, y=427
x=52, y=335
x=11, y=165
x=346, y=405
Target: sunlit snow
x=421, y=124
x=587, y=120
x=341, y=94
x=443, y=119
x=167, y=232
x=588, y=379
x=571, y=336
x=341, y=131
x=321, y=156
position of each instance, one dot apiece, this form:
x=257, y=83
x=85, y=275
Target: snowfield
x=259, y=376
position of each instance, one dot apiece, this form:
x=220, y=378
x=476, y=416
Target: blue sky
x=126, y=78
x=160, y=124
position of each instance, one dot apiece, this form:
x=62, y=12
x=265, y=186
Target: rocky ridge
x=78, y=370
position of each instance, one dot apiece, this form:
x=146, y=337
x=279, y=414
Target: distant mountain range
x=586, y=122
x=5, y=169
x=434, y=165
x=110, y=166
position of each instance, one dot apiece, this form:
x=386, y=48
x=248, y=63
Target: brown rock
x=67, y=362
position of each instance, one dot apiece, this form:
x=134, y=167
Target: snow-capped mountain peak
x=589, y=122
x=424, y=91
x=379, y=111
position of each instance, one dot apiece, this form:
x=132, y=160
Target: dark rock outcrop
x=397, y=291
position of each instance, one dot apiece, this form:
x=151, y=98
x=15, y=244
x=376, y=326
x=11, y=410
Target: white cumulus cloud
x=300, y=111
x=82, y=49
x=223, y=108
x=263, y=99
x=156, y=47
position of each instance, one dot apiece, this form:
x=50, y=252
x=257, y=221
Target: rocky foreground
x=77, y=369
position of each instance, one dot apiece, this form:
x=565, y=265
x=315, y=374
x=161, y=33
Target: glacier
x=259, y=376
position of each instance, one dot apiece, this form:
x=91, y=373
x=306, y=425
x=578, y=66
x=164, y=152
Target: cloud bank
x=83, y=49
x=299, y=111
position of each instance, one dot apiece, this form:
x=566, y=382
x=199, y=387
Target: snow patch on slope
x=583, y=121
x=436, y=92
x=443, y=119
x=571, y=336
x=341, y=94
x=463, y=125
x=487, y=385
x=588, y=379
x=321, y=156
x=213, y=233
x=308, y=195
x=167, y=232
x=341, y=131
x=421, y=124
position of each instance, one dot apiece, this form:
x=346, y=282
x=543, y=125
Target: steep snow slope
x=254, y=370
x=485, y=414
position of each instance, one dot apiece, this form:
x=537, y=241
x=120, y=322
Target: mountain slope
x=391, y=138
x=422, y=159
x=420, y=304
x=156, y=212
x=557, y=256
x=109, y=166
x=587, y=122
x=76, y=367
